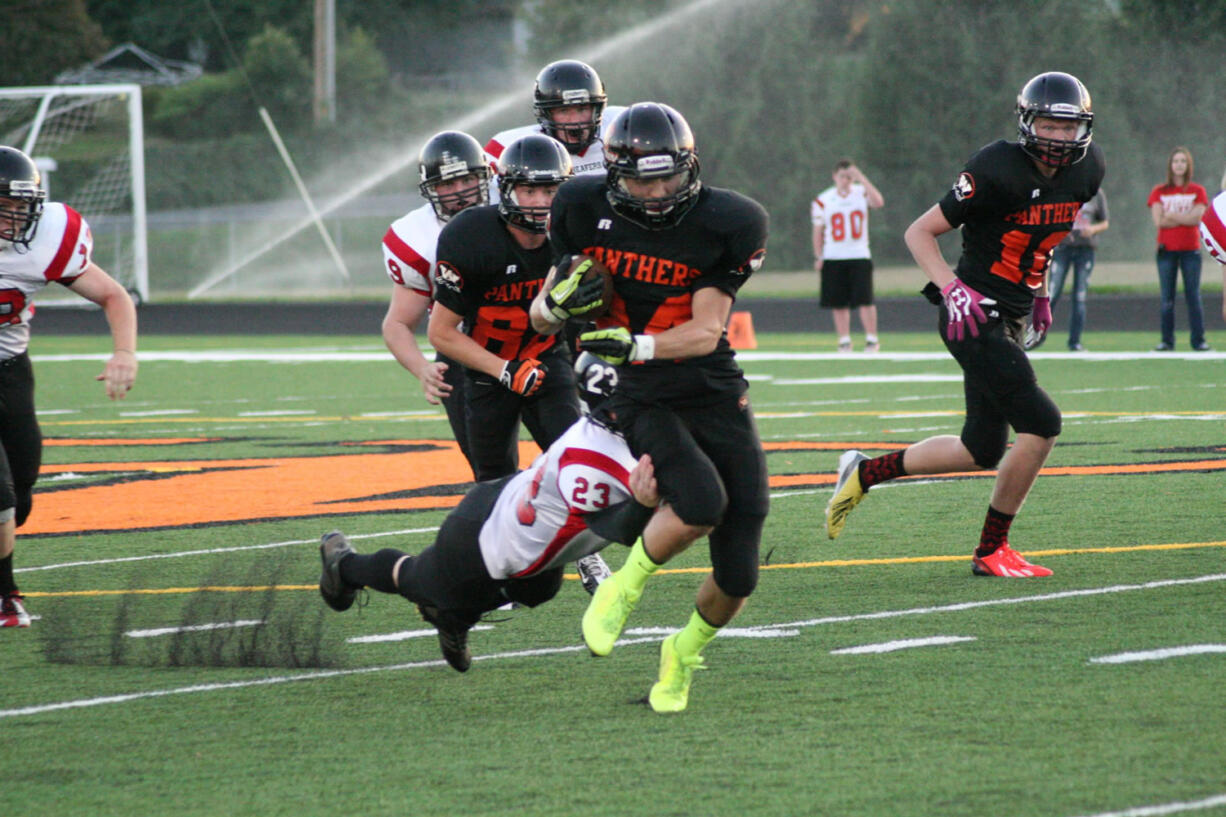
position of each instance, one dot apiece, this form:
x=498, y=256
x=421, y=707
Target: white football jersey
x=537, y=522
x=844, y=221
x=591, y=160
x=410, y=249
x=60, y=251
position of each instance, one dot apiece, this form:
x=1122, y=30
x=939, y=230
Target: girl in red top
x=1177, y=207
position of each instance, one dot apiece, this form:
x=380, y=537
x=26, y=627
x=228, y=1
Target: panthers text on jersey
x=60, y=251
x=1012, y=217
x=538, y=520
x=486, y=277
x=844, y=222
x=719, y=243
x=590, y=161
x=409, y=248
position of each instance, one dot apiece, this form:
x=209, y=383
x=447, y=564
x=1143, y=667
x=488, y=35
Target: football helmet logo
x=446, y=158
x=21, y=184
x=1055, y=95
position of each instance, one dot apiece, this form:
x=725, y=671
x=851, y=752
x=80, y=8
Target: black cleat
x=338, y=595
x=452, y=636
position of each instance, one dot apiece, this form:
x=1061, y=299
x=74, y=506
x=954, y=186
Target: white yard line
x=1159, y=654
x=1166, y=808
x=902, y=644
x=208, y=551
x=195, y=628
x=80, y=703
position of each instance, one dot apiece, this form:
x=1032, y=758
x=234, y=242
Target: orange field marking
x=406, y=475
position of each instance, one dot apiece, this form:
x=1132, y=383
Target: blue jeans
x=1170, y=262
x=1081, y=260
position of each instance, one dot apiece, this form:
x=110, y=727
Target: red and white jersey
x=60, y=251
x=410, y=249
x=844, y=221
x=591, y=160
x=537, y=522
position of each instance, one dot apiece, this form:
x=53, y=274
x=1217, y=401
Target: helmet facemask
x=654, y=213
x=1055, y=152
x=529, y=218
x=448, y=204
x=21, y=207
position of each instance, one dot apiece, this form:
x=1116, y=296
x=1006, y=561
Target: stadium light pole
x=325, y=61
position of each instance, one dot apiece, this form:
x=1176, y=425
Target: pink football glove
x=1040, y=318
x=965, y=308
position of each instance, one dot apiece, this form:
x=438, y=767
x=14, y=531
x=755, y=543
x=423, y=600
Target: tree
x=41, y=38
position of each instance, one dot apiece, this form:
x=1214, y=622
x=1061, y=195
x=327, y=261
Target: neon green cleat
x=672, y=692
x=847, y=493
x=606, y=614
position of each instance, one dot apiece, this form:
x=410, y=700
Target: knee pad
x=734, y=553
x=986, y=441
x=702, y=504
x=1037, y=414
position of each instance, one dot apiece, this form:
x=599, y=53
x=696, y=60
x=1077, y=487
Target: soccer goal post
x=89, y=142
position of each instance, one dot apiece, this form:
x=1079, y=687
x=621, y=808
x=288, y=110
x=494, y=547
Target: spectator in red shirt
x=1177, y=207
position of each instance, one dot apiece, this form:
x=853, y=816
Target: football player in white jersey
x=569, y=101
x=840, y=251
x=41, y=242
x=509, y=539
x=453, y=177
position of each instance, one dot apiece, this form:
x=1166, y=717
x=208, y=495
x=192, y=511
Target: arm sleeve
x=623, y=522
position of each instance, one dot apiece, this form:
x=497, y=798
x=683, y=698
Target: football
x=596, y=270
x=1213, y=228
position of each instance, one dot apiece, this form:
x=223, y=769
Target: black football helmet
x=22, y=185
x=650, y=140
x=447, y=156
x=595, y=378
x=535, y=159
x=1055, y=95
x=563, y=84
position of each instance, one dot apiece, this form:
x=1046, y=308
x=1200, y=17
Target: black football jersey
x=719, y=243
x=1012, y=217
x=488, y=278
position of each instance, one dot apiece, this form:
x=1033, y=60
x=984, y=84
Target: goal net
x=88, y=141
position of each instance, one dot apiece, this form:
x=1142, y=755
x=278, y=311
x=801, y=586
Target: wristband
x=644, y=347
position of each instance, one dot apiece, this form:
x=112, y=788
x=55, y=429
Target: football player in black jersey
x=678, y=252
x=491, y=263
x=1014, y=201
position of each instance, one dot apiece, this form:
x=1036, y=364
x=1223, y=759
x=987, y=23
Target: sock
x=995, y=532
x=637, y=569
x=870, y=338
x=7, y=585
x=881, y=469
x=373, y=570
x=844, y=339
x=696, y=635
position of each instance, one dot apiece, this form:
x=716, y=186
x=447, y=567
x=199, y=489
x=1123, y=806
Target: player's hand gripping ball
x=584, y=289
